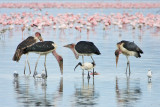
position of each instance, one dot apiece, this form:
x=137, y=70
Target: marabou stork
x=86, y=66
x=44, y=48
x=24, y=44
x=128, y=49
x=83, y=48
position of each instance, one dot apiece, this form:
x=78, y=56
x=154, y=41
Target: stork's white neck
x=36, y=39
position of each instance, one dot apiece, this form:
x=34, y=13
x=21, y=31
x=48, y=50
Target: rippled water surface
x=112, y=88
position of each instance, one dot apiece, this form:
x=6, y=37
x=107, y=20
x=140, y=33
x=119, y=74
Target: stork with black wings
x=83, y=48
x=24, y=44
x=44, y=48
x=128, y=49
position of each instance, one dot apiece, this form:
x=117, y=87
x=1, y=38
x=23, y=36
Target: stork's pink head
x=71, y=46
x=38, y=35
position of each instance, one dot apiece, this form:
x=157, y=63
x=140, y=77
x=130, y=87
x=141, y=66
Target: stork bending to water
x=128, y=49
x=44, y=48
x=24, y=44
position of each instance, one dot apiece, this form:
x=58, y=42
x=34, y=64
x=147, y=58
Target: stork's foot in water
x=88, y=77
x=35, y=73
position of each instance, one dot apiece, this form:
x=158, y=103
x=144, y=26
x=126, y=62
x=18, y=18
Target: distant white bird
x=149, y=74
x=15, y=74
x=86, y=66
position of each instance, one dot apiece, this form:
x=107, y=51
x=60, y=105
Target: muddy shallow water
x=111, y=88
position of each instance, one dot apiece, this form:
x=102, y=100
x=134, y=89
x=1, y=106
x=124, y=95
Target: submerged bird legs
x=37, y=64
x=28, y=64
x=128, y=65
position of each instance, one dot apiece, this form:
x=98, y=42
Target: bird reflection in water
x=128, y=94
x=28, y=95
x=86, y=94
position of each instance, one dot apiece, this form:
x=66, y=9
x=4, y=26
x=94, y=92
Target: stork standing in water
x=44, y=48
x=86, y=66
x=83, y=48
x=24, y=44
x=128, y=49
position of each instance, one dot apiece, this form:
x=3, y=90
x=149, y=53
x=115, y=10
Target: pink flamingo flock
x=82, y=5
x=79, y=22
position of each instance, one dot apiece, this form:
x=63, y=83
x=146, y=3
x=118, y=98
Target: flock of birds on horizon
x=80, y=22
x=82, y=48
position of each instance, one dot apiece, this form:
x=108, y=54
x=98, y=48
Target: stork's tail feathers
x=17, y=55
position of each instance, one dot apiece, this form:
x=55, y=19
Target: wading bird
x=83, y=48
x=128, y=49
x=149, y=74
x=86, y=66
x=44, y=48
x=24, y=44
x=15, y=74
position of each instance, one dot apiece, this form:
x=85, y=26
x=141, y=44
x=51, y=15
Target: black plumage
x=131, y=46
x=86, y=47
x=40, y=47
x=24, y=44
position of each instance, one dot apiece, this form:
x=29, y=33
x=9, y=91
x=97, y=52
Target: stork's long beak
x=60, y=61
x=117, y=57
x=117, y=52
x=67, y=46
x=61, y=65
x=76, y=66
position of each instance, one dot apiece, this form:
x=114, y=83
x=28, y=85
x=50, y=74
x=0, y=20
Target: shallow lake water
x=112, y=88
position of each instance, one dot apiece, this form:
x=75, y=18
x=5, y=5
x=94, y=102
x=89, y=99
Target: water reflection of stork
x=86, y=94
x=27, y=95
x=127, y=95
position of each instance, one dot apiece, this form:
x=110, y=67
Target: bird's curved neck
x=75, y=53
x=58, y=57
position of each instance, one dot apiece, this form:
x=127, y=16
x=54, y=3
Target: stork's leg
x=83, y=63
x=126, y=67
x=129, y=69
x=93, y=72
x=25, y=64
x=88, y=75
x=28, y=65
x=127, y=64
x=93, y=81
x=92, y=59
x=36, y=66
x=45, y=65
